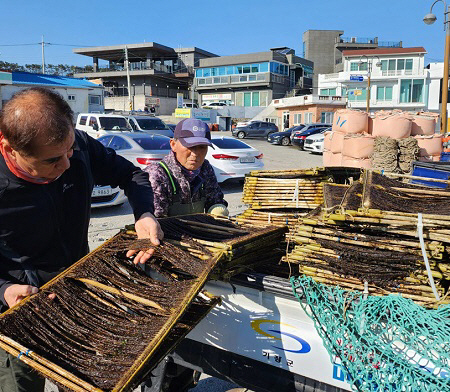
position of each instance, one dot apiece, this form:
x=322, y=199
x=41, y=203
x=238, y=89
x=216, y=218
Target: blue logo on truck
x=270, y=333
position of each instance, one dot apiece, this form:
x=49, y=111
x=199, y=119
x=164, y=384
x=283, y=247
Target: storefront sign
x=151, y=101
x=214, y=97
x=204, y=115
x=183, y=113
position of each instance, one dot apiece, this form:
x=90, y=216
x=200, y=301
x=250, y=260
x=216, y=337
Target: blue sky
x=223, y=27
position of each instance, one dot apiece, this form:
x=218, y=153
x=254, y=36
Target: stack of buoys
x=351, y=141
x=348, y=144
x=446, y=142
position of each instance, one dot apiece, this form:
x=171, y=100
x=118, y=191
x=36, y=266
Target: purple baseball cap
x=192, y=132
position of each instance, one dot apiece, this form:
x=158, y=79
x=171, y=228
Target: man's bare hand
x=146, y=227
x=17, y=292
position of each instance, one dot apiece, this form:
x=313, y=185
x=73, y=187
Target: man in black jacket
x=47, y=173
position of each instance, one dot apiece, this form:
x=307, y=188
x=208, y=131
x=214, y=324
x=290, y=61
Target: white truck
x=259, y=338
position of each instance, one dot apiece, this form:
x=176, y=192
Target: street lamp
x=143, y=85
x=430, y=19
x=369, y=62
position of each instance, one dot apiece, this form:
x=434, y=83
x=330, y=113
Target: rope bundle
x=408, y=152
x=385, y=153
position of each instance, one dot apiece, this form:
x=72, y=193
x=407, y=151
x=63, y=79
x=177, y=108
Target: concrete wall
x=319, y=48
x=166, y=107
x=240, y=111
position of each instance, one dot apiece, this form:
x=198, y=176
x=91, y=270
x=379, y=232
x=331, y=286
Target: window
x=94, y=100
x=297, y=118
x=357, y=95
x=230, y=70
x=263, y=96
x=83, y=120
x=255, y=68
x=152, y=143
x=328, y=91
x=239, y=98
x=308, y=118
x=255, y=99
x=198, y=73
x=326, y=117
x=93, y=121
x=118, y=143
x=391, y=65
x=71, y=97
x=214, y=71
x=222, y=71
x=264, y=67
x=411, y=90
x=384, y=93
x=357, y=66
x=229, y=144
x=247, y=99
x=207, y=72
x=400, y=64
x=409, y=65
x=105, y=140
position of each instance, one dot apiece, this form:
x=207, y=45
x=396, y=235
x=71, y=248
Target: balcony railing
x=241, y=78
x=141, y=66
x=397, y=72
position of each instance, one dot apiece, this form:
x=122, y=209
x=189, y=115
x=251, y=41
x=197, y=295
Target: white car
x=314, y=143
x=105, y=196
x=232, y=158
x=214, y=105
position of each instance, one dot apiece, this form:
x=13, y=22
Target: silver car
x=138, y=147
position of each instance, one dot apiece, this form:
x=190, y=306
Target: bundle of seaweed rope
x=367, y=232
x=108, y=316
x=242, y=246
x=384, y=156
x=408, y=152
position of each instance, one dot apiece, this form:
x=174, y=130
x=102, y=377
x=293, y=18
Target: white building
x=398, y=80
x=82, y=95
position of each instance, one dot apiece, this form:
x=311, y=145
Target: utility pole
x=43, y=56
x=127, y=65
x=193, y=81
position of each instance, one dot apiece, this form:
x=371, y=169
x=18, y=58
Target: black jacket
x=44, y=228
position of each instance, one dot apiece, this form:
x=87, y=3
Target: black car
x=255, y=129
x=298, y=137
x=283, y=138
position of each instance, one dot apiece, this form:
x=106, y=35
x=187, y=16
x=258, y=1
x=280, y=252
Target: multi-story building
x=325, y=48
x=398, y=80
x=157, y=74
x=80, y=94
x=253, y=79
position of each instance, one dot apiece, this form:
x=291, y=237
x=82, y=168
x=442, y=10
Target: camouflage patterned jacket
x=205, y=183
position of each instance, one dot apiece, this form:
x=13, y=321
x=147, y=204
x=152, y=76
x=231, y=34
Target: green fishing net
x=382, y=343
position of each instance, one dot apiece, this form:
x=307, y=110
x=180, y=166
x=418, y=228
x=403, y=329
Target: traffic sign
x=357, y=78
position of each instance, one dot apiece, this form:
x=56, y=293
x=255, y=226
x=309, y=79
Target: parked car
x=105, y=196
x=244, y=123
x=149, y=124
x=214, y=105
x=255, y=129
x=95, y=124
x=232, y=158
x=190, y=105
x=283, y=138
x=171, y=126
x=298, y=137
x=139, y=148
x=314, y=143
